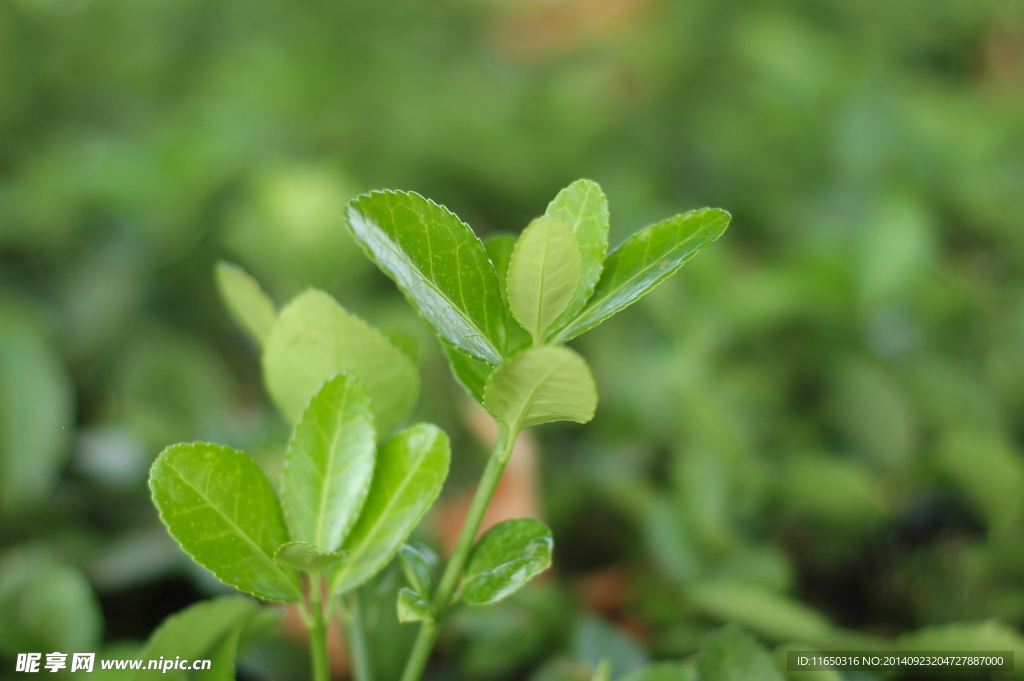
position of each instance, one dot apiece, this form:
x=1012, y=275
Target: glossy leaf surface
x=411, y=469
x=440, y=265
x=643, y=261
x=731, y=654
x=250, y=307
x=541, y=384
x=542, y=275
x=583, y=206
x=300, y=555
x=329, y=464
x=418, y=564
x=412, y=607
x=219, y=506
x=506, y=557
x=314, y=339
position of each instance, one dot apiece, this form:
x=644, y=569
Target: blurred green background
x=815, y=428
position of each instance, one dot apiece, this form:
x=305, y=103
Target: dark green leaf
x=418, y=564
x=730, y=654
x=329, y=464
x=541, y=384
x=412, y=607
x=643, y=261
x=471, y=372
x=506, y=557
x=583, y=206
x=250, y=307
x=218, y=504
x=440, y=265
x=411, y=469
x=543, y=275
x=314, y=339
x=298, y=555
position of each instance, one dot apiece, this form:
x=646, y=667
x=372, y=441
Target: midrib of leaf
x=540, y=295
x=533, y=394
x=387, y=508
x=203, y=495
x=393, y=248
x=325, y=480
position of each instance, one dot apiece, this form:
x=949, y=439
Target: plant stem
x=362, y=668
x=318, y=631
x=453, y=570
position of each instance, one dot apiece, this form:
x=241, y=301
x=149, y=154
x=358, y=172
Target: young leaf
x=412, y=607
x=506, y=557
x=470, y=372
x=418, y=564
x=543, y=275
x=583, y=206
x=250, y=307
x=218, y=504
x=642, y=262
x=329, y=464
x=439, y=264
x=541, y=384
x=411, y=469
x=499, y=250
x=299, y=555
x=314, y=339
x=731, y=654
x=194, y=633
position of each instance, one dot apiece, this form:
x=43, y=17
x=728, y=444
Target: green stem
x=362, y=667
x=318, y=631
x=453, y=570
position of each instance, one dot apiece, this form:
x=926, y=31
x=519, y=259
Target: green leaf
x=583, y=206
x=218, y=504
x=506, y=557
x=314, y=339
x=329, y=464
x=663, y=671
x=440, y=265
x=249, y=306
x=36, y=411
x=596, y=640
x=987, y=635
x=194, y=633
x=411, y=469
x=222, y=658
x=642, y=262
x=984, y=467
x=543, y=275
x=731, y=654
x=471, y=372
x=541, y=384
x=299, y=555
x=418, y=564
x=412, y=607
x=499, y=250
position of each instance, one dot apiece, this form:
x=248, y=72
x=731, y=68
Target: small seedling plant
x=356, y=480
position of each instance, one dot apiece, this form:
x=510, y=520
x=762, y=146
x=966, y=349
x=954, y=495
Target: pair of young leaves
x=485, y=303
x=345, y=507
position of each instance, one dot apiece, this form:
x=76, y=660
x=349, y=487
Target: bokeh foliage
x=814, y=430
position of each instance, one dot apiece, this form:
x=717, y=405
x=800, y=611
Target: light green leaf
x=218, y=504
x=299, y=555
x=222, y=658
x=583, y=206
x=499, y=250
x=440, y=265
x=36, y=411
x=508, y=555
x=314, y=339
x=329, y=464
x=418, y=564
x=603, y=671
x=411, y=469
x=194, y=633
x=986, y=635
x=986, y=470
x=663, y=671
x=642, y=262
x=731, y=654
x=541, y=384
x=250, y=307
x=543, y=275
x=412, y=607
x=470, y=372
